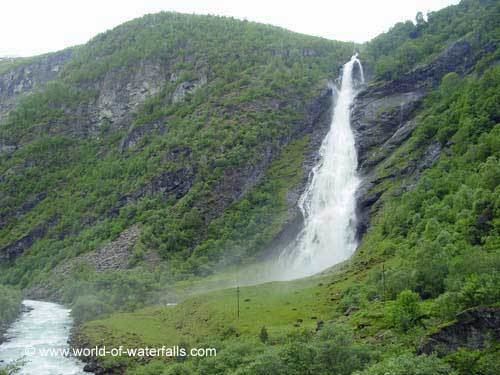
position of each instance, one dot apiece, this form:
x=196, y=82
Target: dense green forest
x=236, y=143
x=409, y=43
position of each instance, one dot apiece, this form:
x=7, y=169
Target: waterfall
x=328, y=204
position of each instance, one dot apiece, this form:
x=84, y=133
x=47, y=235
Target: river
x=42, y=326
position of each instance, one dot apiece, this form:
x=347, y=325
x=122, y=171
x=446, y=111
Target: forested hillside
x=196, y=134
x=166, y=157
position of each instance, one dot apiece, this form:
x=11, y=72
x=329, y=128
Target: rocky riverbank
x=11, y=308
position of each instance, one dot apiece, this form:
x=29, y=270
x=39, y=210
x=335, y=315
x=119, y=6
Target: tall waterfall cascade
x=328, y=204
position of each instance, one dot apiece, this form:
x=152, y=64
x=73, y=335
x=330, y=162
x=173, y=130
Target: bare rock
x=117, y=255
x=136, y=134
x=14, y=250
x=187, y=87
x=474, y=329
x=27, y=77
x=384, y=117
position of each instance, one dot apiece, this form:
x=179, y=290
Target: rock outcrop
x=136, y=134
x=17, y=248
x=188, y=87
x=111, y=101
x=474, y=329
x=27, y=76
x=316, y=125
x=384, y=117
x=117, y=255
x=120, y=93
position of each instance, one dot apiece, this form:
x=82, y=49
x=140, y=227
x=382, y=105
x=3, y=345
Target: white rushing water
x=328, y=203
x=47, y=326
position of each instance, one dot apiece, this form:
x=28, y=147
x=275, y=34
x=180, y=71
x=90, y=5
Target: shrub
x=263, y=336
x=352, y=297
x=481, y=289
x=397, y=280
x=10, y=304
x=406, y=313
x=152, y=368
x=299, y=358
x=446, y=306
x=233, y=355
x=178, y=369
x=475, y=362
x=409, y=364
x=336, y=352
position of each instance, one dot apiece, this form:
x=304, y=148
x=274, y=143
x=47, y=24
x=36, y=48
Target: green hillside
x=415, y=270
x=430, y=253
x=75, y=182
x=186, y=140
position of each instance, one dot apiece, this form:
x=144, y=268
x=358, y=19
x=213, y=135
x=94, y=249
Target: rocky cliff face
x=25, y=79
x=474, y=329
x=236, y=182
x=316, y=125
x=112, y=99
x=28, y=77
x=121, y=92
x=384, y=117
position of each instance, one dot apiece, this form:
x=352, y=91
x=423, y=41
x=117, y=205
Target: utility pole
x=237, y=282
x=383, y=283
x=238, y=301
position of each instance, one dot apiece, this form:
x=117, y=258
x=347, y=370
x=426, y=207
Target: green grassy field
x=283, y=307
x=279, y=306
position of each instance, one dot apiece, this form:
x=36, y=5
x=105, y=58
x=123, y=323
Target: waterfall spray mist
x=328, y=204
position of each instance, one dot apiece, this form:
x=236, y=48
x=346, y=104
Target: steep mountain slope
x=428, y=141
x=21, y=76
x=454, y=39
x=189, y=139
x=171, y=121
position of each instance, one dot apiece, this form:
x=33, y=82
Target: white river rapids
x=46, y=326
